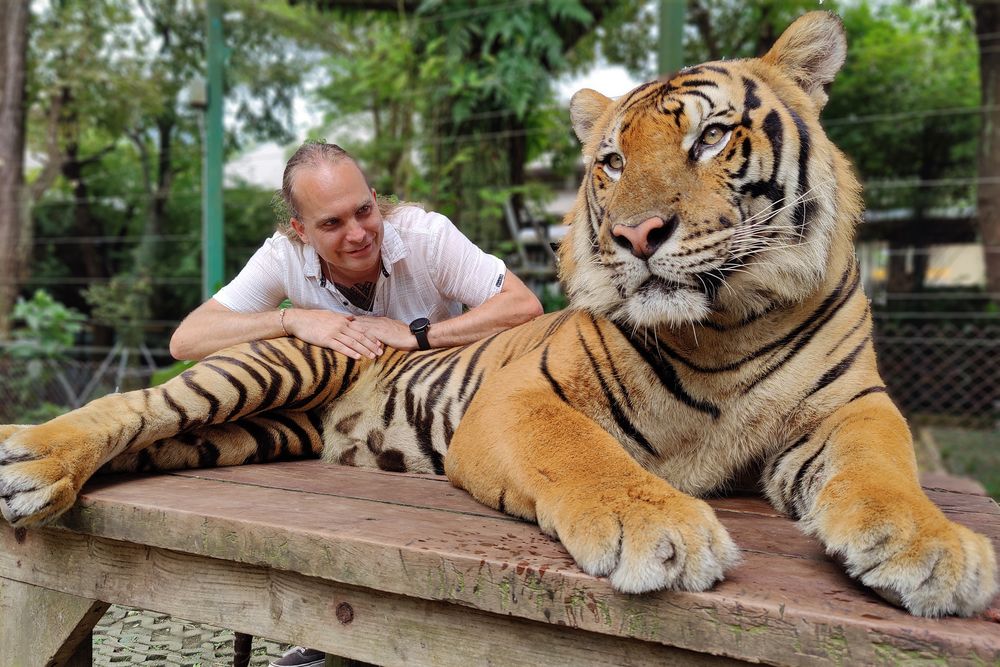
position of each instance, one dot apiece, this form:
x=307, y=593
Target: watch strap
x=419, y=328
x=421, y=336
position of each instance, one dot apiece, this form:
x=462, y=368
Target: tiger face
x=713, y=193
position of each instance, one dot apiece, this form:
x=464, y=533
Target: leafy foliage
x=48, y=328
x=445, y=104
x=913, y=72
x=118, y=191
x=458, y=99
x=45, y=331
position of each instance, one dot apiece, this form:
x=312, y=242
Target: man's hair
x=313, y=154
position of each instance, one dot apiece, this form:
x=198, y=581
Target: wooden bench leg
x=39, y=626
x=242, y=649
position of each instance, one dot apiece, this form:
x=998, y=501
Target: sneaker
x=300, y=656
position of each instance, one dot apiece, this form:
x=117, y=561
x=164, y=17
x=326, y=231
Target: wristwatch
x=419, y=328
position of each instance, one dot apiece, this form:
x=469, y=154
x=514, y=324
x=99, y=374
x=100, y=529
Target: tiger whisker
x=803, y=198
x=750, y=251
x=724, y=282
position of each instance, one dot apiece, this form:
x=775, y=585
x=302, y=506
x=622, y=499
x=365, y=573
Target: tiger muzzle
x=644, y=239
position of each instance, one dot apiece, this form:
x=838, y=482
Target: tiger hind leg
x=273, y=436
x=43, y=467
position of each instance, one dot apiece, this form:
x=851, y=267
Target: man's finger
x=348, y=345
x=337, y=346
x=350, y=340
x=366, y=339
x=357, y=340
x=370, y=344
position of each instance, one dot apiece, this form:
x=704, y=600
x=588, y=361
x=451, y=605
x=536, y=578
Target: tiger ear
x=811, y=51
x=585, y=107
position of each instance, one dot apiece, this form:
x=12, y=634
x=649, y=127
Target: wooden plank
x=82, y=657
x=945, y=482
x=795, y=601
x=754, y=524
x=39, y=626
x=978, y=512
x=435, y=492
x=361, y=624
x=315, y=477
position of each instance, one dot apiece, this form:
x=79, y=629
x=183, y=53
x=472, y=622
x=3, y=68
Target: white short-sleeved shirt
x=430, y=269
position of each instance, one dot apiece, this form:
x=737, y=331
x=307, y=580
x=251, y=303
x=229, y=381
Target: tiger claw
x=36, y=505
x=34, y=488
x=8, y=516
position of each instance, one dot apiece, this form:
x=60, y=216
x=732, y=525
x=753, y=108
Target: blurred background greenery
x=463, y=106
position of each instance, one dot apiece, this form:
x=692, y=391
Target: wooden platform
x=405, y=569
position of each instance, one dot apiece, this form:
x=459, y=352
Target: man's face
x=338, y=216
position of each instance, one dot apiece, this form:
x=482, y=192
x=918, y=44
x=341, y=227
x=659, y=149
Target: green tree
x=464, y=90
x=987, y=21
x=13, y=230
x=119, y=145
x=903, y=106
x=35, y=357
x=904, y=109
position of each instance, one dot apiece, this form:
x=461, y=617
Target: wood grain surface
x=415, y=542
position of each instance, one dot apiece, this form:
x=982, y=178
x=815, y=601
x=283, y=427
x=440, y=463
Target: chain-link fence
x=942, y=369
x=36, y=388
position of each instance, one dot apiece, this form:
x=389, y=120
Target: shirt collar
x=393, y=247
x=310, y=262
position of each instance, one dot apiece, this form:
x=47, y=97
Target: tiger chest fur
x=693, y=417
x=718, y=328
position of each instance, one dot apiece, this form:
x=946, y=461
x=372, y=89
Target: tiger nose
x=644, y=239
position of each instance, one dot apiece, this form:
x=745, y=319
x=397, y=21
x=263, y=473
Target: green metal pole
x=670, y=50
x=212, y=244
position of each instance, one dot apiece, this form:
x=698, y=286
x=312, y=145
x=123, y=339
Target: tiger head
x=715, y=192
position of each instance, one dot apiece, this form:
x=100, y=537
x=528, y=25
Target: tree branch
x=376, y=5
x=53, y=151
x=703, y=21
x=569, y=32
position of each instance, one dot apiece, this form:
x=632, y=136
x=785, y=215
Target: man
x=360, y=277
x=358, y=280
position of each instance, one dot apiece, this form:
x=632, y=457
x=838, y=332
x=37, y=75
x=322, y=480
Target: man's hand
x=335, y=331
x=387, y=330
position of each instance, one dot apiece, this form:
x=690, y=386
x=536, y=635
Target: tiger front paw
x=912, y=555
x=35, y=485
x=643, y=539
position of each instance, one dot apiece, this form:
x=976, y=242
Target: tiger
x=717, y=330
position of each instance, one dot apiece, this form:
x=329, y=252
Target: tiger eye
x=712, y=136
x=615, y=161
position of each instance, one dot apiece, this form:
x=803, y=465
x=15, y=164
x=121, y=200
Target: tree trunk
x=13, y=51
x=86, y=261
x=159, y=196
x=703, y=21
x=987, y=13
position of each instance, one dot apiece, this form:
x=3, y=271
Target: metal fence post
x=670, y=46
x=213, y=249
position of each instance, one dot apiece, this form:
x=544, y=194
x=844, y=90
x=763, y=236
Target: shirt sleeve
x=259, y=286
x=460, y=270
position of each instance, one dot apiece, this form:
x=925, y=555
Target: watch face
x=419, y=324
